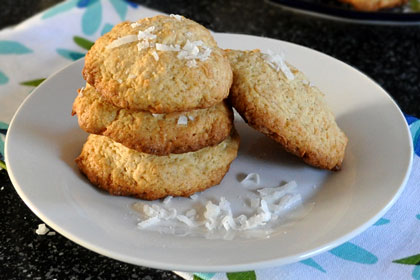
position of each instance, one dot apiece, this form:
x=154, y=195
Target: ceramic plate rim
x=213, y=268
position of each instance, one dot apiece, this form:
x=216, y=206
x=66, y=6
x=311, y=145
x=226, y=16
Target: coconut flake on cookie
x=182, y=120
x=177, y=17
x=276, y=61
x=155, y=55
x=122, y=41
x=167, y=48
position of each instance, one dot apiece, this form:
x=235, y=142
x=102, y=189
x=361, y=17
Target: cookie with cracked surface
x=374, y=5
x=123, y=171
x=161, y=64
x=276, y=99
x=159, y=134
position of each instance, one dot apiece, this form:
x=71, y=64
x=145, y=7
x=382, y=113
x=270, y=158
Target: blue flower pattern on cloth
x=3, y=78
x=381, y=221
x=351, y=252
x=314, y=264
x=72, y=55
x=204, y=276
x=13, y=47
x=107, y=27
x=415, y=134
x=92, y=17
x=120, y=7
x=3, y=130
x=60, y=8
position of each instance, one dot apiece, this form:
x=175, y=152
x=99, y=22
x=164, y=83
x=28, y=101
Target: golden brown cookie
x=122, y=171
x=161, y=64
x=159, y=134
x=374, y=5
x=277, y=100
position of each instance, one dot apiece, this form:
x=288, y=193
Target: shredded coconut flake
x=191, y=118
x=132, y=76
x=148, y=222
x=81, y=91
x=155, y=55
x=167, y=48
x=167, y=200
x=191, y=63
x=194, y=196
x=135, y=24
x=157, y=115
x=251, y=179
x=191, y=52
x=143, y=45
x=177, y=17
x=182, y=120
x=51, y=233
x=122, y=41
x=42, y=229
x=218, y=218
x=146, y=34
x=276, y=61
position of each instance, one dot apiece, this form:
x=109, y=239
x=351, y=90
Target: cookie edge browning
x=274, y=129
x=216, y=131
x=107, y=184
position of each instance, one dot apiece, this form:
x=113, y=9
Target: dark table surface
x=390, y=55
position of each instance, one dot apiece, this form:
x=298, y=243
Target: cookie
x=159, y=134
x=374, y=5
x=276, y=99
x=123, y=171
x=162, y=64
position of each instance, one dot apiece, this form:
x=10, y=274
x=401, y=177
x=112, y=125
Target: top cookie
x=276, y=99
x=161, y=64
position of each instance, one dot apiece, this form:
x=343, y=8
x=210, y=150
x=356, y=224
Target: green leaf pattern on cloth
x=413, y=260
x=33, y=83
x=82, y=42
x=247, y=275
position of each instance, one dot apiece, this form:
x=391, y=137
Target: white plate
x=43, y=140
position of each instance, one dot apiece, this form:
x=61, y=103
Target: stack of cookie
x=154, y=105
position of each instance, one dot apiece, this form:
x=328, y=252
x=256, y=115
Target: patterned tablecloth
x=43, y=44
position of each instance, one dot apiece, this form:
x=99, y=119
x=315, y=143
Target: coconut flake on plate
x=167, y=200
x=122, y=41
x=42, y=229
x=277, y=62
x=194, y=196
x=251, y=179
x=216, y=220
